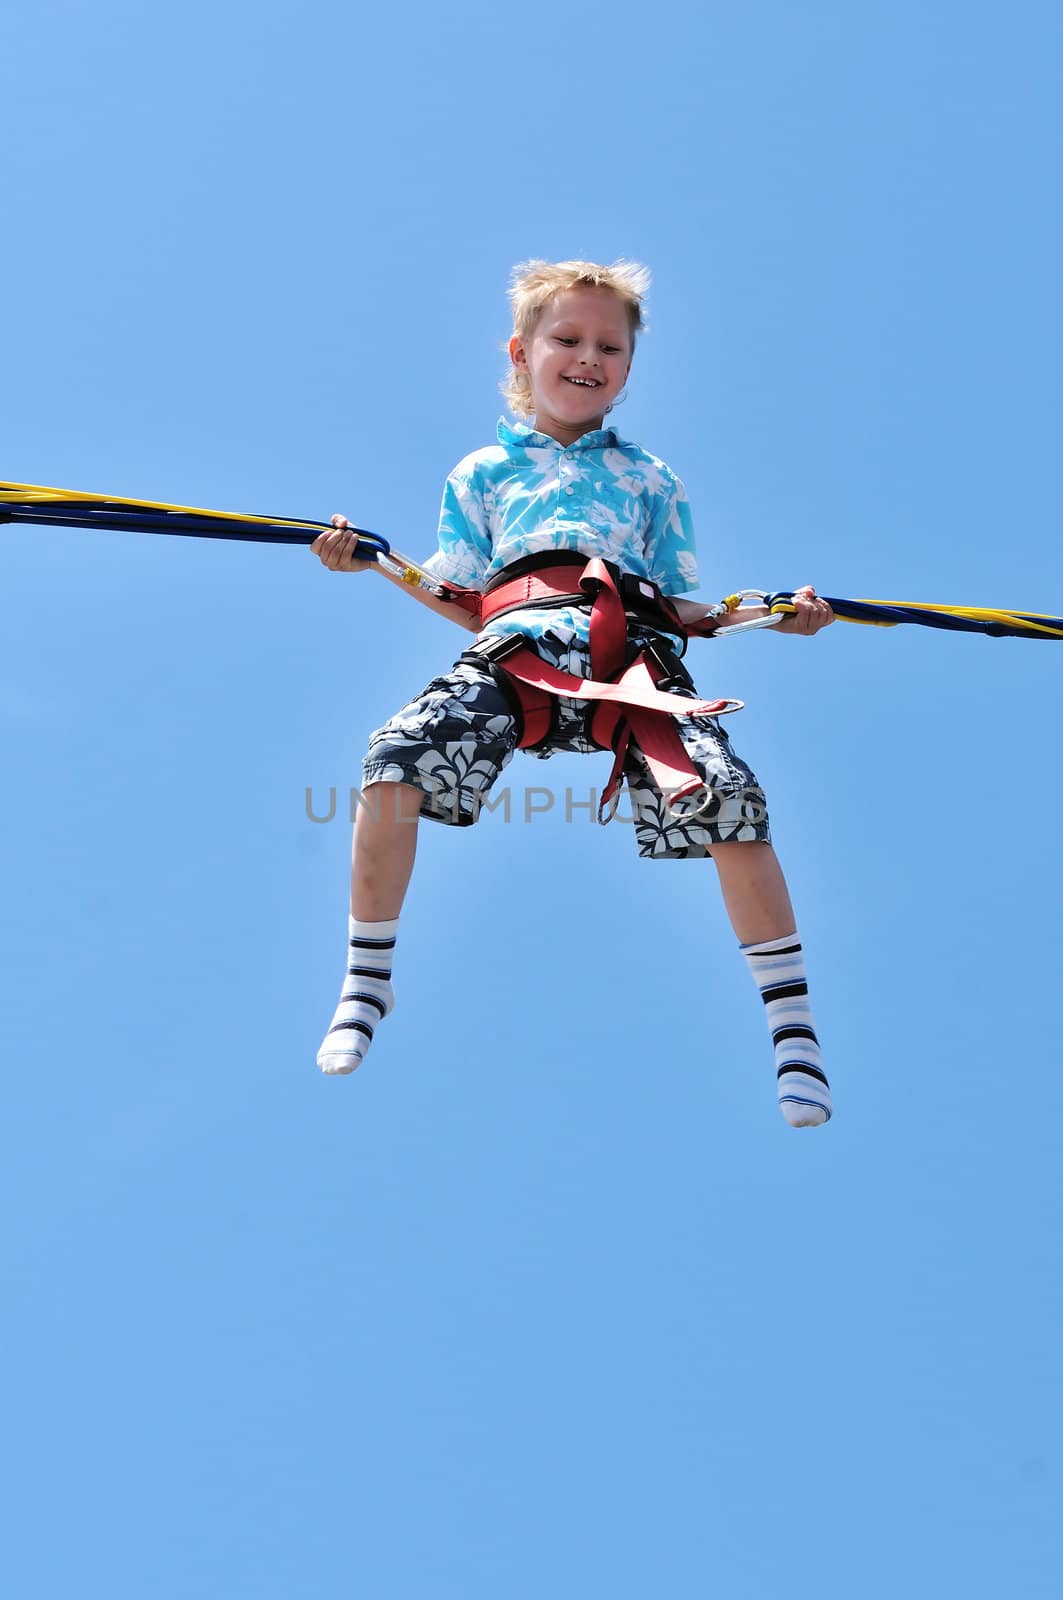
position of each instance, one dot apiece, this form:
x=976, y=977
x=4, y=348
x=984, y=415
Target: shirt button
x=570, y=490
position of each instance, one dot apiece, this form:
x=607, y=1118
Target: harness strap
x=627, y=697
x=628, y=690
x=470, y=600
x=549, y=578
x=657, y=737
x=557, y=577
x=536, y=585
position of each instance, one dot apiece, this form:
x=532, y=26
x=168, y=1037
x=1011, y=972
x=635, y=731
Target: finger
x=336, y=547
x=344, y=548
x=339, y=520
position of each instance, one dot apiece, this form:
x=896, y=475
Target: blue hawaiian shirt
x=602, y=496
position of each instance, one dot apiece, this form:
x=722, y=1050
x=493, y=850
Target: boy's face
x=577, y=360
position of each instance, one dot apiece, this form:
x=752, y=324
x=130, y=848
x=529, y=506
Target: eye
x=611, y=349
x=561, y=339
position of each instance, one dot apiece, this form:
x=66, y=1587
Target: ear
x=516, y=353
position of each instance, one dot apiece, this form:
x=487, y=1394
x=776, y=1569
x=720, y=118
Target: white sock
x=778, y=968
x=367, y=996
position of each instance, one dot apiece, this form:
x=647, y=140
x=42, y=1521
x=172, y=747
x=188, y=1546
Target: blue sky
x=545, y=1300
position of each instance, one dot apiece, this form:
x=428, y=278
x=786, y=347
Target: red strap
x=673, y=771
x=470, y=600
x=563, y=582
x=608, y=620
x=593, y=581
x=530, y=668
x=543, y=583
x=656, y=736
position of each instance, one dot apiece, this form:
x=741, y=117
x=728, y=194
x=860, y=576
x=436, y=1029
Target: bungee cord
x=995, y=622
x=36, y=504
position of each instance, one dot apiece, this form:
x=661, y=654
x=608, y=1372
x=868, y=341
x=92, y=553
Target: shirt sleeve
x=464, y=538
x=671, y=550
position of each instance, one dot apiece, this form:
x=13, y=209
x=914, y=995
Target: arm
x=336, y=551
x=441, y=607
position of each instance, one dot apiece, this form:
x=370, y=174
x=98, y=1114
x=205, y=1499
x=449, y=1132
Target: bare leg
x=383, y=850
x=754, y=891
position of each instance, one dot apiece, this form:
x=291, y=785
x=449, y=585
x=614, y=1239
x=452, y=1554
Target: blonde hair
x=534, y=283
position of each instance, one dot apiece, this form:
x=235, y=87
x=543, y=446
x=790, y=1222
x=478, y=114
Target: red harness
x=629, y=704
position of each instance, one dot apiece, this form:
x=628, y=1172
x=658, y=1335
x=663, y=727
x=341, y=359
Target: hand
x=336, y=549
x=810, y=613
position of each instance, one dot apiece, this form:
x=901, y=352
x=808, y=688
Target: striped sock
x=778, y=968
x=367, y=996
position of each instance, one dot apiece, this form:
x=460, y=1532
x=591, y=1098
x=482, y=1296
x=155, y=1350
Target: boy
x=569, y=489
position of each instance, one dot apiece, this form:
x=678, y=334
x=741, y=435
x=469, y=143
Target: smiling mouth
x=584, y=383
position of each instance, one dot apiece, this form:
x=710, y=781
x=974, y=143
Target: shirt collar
x=518, y=433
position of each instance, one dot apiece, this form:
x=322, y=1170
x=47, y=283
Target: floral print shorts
x=454, y=738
